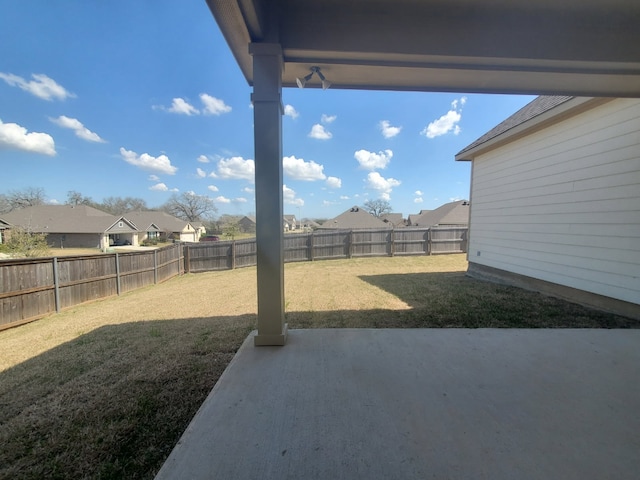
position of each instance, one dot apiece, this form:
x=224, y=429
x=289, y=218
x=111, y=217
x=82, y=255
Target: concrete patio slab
x=425, y=403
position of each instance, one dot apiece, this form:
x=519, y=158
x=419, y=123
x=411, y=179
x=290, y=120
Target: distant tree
x=16, y=199
x=378, y=207
x=190, y=206
x=121, y=205
x=76, y=198
x=230, y=230
x=24, y=243
x=5, y=205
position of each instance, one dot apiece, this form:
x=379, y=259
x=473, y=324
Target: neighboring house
x=4, y=228
x=353, y=219
x=247, y=224
x=289, y=223
x=393, y=219
x=309, y=225
x=556, y=200
x=201, y=230
x=75, y=225
x=449, y=214
x=157, y=224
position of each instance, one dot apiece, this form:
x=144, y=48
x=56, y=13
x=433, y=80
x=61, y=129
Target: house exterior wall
x=74, y=240
x=562, y=205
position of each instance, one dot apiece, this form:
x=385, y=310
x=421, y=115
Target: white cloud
x=418, y=200
x=203, y=159
x=182, y=107
x=447, y=122
x=289, y=111
x=80, y=130
x=240, y=200
x=15, y=137
x=319, y=132
x=41, y=86
x=387, y=130
x=289, y=197
x=174, y=189
x=334, y=182
x=247, y=190
x=418, y=192
x=236, y=168
x=455, y=199
x=383, y=186
x=154, y=178
x=160, y=164
x=213, y=105
x=213, y=188
x=326, y=119
x=200, y=173
x=222, y=199
x=372, y=161
x=298, y=169
x=159, y=187
x=53, y=201
x=344, y=197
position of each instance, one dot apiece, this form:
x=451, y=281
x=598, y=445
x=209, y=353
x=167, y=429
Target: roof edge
x=556, y=114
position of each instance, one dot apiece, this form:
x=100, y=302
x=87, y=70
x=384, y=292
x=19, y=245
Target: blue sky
x=144, y=99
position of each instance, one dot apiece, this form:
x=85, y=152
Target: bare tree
x=76, y=198
x=190, y=206
x=121, y=205
x=16, y=199
x=378, y=207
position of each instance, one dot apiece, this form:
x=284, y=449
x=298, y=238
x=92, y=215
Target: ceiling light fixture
x=303, y=81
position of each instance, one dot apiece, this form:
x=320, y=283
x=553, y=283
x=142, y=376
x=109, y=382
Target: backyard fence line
x=33, y=288
x=330, y=244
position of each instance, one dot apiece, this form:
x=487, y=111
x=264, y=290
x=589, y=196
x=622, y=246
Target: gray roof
x=354, y=218
x=165, y=222
x=531, y=110
x=453, y=213
x=394, y=219
x=62, y=219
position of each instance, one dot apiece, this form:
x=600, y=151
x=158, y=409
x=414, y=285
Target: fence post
x=187, y=259
x=428, y=249
x=117, y=273
x=56, y=284
x=350, y=251
x=233, y=255
x=155, y=267
x=311, y=246
x=392, y=240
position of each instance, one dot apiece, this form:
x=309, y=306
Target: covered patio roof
x=574, y=47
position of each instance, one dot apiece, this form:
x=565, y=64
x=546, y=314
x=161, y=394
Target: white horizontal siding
x=563, y=204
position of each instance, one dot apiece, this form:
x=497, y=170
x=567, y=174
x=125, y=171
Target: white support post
x=267, y=114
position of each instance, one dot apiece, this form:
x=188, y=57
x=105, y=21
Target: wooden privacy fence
x=33, y=288
x=330, y=244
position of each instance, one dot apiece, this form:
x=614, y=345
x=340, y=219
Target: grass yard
x=105, y=390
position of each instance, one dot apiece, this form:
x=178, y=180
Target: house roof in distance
x=62, y=219
x=165, y=222
x=354, y=218
x=452, y=213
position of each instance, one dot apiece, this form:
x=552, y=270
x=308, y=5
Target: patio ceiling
x=574, y=47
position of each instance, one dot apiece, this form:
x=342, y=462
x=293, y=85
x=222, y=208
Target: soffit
x=573, y=47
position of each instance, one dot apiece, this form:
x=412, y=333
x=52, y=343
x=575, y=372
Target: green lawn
x=105, y=390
